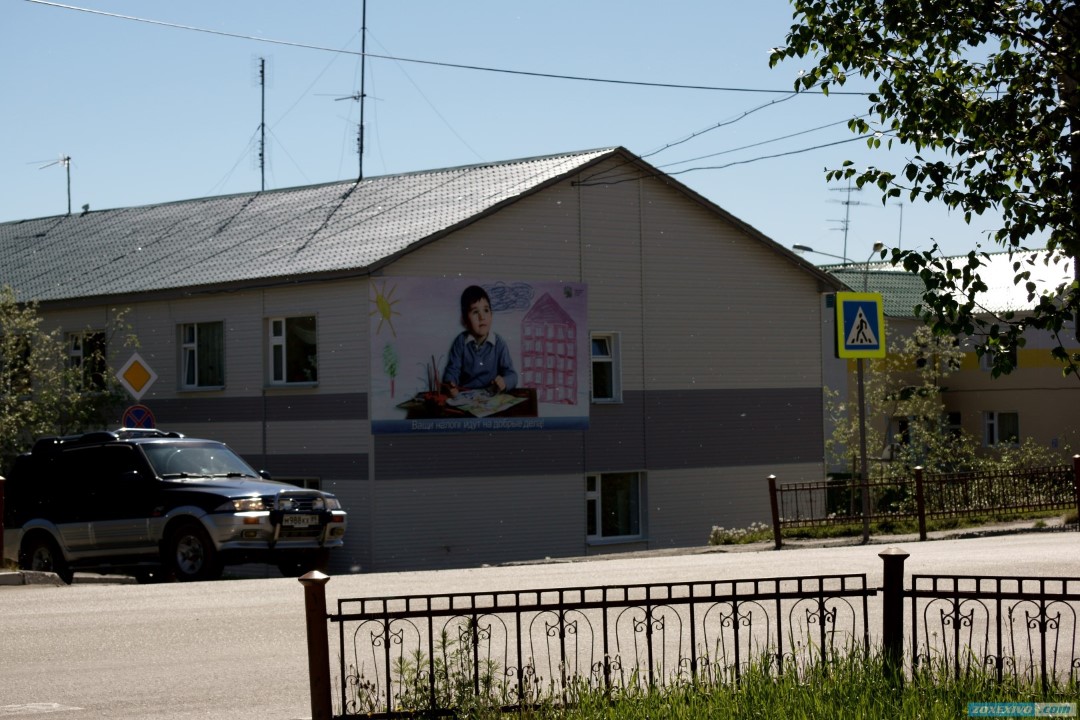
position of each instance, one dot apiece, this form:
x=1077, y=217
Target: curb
x=29, y=577
x=16, y=578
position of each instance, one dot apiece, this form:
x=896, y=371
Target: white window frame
x=611, y=358
x=278, y=356
x=992, y=429
x=76, y=354
x=594, y=509
x=189, y=355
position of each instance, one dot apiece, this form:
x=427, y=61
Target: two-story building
x=666, y=356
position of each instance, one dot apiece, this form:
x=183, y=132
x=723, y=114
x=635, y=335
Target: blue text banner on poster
x=860, y=325
x=478, y=355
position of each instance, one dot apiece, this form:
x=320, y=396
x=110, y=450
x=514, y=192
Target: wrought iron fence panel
x=957, y=494
x=924, y=496
x=1018, y=626
x=433, y=654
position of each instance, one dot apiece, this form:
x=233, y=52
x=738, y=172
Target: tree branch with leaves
x=42, y=391
x=985, y=94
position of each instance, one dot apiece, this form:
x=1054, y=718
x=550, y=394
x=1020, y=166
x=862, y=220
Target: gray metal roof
x=901, y=291
x=322, y=229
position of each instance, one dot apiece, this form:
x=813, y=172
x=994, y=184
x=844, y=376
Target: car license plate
x=300, y=520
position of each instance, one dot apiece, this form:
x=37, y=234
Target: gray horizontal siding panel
x=706, y=429
x=508, y=454
x=339, y=406
x=343, y=466
x=652, y=431
x=726, y=428
x=616, y=437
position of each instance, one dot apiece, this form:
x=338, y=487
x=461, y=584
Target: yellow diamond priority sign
x=136, y=376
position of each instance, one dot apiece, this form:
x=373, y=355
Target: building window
x=613, y=506
x=293, y=350
x=86, y=356
x=202, y=355
x=986, y=360
x=1001, y=428
x=606, y=380
x=954, y=425
x=15, y=375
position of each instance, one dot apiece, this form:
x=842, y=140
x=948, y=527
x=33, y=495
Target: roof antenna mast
x=262, y=123
x=65, y=161
x=363, y=76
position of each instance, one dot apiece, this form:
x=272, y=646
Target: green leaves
x=41, y=391
x=985, y=93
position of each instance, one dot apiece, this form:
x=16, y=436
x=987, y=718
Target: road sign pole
x=864, y=475
x=860, y=327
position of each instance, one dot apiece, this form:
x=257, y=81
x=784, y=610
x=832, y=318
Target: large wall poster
x=469, y=355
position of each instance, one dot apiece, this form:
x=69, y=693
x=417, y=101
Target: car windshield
x=194, y=460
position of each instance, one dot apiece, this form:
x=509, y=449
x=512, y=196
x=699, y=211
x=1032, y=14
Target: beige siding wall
x=722, y=310
x=462, y=521
x=725, y=497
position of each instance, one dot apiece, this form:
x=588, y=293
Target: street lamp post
x=807, y=248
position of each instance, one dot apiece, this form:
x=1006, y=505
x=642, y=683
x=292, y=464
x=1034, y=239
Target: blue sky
x=150, y=113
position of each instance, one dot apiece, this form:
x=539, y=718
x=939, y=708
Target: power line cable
x=433, y=108
x=723, y=123
x=631, y=177
x=776, y=155
x=757, y=144
x=458, y=66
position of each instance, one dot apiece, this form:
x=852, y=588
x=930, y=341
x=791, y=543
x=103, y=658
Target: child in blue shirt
x=479, y=358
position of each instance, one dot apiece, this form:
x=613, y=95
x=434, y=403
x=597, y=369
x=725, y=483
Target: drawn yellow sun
x=384, y=307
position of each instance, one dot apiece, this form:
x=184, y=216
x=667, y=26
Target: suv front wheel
x=190, y=554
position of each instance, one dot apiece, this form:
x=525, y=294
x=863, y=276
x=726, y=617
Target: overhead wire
x=723, y=123
x=436, y=63
x=679, y=86
x=758, y=144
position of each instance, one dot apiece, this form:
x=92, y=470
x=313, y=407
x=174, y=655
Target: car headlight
x=333, y=503
x=247, y=504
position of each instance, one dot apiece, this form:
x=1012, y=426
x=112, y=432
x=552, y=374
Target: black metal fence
x=429, y=655
x=1019, y=626
x=923, y=497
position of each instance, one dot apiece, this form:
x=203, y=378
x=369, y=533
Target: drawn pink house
x=549, y=352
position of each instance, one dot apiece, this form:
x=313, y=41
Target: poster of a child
x=461, y=355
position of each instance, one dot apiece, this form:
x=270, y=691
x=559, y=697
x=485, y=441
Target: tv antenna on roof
x=848, y=202
x=64, y=160
x=361, y=95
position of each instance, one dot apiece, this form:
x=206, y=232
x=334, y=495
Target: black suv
x=159, y=505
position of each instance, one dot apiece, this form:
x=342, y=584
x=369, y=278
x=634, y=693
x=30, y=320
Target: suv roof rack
x=53, y=443
x=129, y=433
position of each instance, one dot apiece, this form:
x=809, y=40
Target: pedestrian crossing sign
x=860, y=325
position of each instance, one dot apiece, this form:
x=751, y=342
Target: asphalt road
x=236, y=649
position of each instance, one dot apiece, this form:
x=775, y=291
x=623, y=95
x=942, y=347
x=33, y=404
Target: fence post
x=775, y=508
x=1, y=522
x=920, y=501
x=1076, y=491
x=892, y=609
x=318, y=646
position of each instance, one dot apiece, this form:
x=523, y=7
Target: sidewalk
x=10, y=578
x=1015, y=527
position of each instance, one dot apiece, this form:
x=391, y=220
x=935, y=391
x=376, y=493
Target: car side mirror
x=265, y=475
